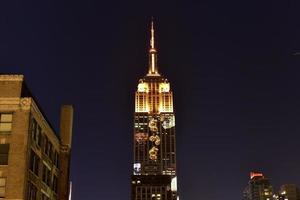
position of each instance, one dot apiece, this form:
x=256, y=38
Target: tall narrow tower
x=154, y=145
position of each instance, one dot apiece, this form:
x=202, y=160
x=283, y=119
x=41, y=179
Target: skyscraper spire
x=152, y=35
x=153, y=70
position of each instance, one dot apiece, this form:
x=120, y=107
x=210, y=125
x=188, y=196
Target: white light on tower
x=70, y=193
x=174, y=184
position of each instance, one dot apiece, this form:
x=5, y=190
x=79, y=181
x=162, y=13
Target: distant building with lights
x=289, y=191
x=154, y=147
x=34, y=161
x=258, y=188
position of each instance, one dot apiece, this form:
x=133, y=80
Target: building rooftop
x=23, y=92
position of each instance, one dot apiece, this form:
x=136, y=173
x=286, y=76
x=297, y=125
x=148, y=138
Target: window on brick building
x=46, y=175
x=56, y=158
x=32, y=191
x=4, y=149
x=5, y=122
x=2, y=187
x=54, y=183
x=36, y=132
x=48, y=148
x=34, y=163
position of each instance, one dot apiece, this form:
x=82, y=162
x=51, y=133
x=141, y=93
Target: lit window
x=143, y=87
x=5, y=122
x=164, y=87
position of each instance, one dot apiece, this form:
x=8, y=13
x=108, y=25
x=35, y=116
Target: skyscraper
x=258, y=188
x=154, y=139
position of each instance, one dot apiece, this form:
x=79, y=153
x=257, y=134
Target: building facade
x=154, y=147
x=289, y=191
x=258, y=188
x=34, y=161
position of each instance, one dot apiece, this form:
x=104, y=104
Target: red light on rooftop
x=255, y=174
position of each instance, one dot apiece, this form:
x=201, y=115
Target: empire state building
x=154, y=139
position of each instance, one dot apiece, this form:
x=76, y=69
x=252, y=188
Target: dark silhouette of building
x=289, y=191
x=154, y=167
x=258, y=188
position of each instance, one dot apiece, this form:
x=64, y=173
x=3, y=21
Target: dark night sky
x=230, y=64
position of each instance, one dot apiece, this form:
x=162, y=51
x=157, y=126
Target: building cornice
x=13, y=77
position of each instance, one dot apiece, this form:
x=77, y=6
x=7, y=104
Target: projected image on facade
x=137, y=168
x=153, y=125
x=168, y=121
x=141, y=137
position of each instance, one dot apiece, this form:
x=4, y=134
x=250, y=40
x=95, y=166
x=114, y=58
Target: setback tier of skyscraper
x=154, y=139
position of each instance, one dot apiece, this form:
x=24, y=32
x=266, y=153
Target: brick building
x=34, y=161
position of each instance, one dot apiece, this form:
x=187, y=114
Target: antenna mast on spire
x=152, y=35
x=153, y=70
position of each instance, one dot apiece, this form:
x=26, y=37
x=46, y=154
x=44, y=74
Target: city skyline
x=234, y=72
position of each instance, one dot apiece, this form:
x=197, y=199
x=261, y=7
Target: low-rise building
x=34, y=160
